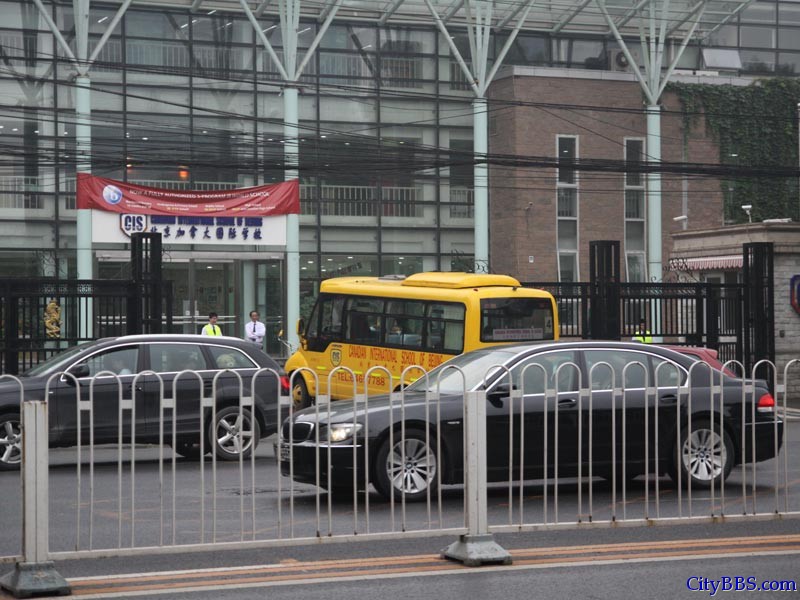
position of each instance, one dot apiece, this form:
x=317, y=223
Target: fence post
x=35, y=575
x=712, y=318
x=11, y=334
x=477, y=547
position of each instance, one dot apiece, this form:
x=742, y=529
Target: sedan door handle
x=668, y=398
x=566, y=401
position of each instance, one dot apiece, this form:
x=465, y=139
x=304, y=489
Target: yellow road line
x=352, y=569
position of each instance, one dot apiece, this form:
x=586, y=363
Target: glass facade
x=767, y=34
x=192, y=100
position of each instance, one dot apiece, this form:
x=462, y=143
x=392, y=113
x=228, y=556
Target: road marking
x=291, y=572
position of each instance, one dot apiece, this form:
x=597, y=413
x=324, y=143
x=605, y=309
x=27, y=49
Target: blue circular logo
x=112, y=194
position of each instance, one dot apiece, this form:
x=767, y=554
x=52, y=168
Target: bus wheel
x=300, y=397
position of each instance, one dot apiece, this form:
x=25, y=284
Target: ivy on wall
x=754, y=125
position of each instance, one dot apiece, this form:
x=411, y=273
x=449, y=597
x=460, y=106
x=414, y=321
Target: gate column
x=604, y=287
x=759, y=303
x=147, y=297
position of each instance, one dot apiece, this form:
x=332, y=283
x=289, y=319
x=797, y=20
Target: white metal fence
x=128, y=498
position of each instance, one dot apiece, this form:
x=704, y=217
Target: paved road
x=622, y=571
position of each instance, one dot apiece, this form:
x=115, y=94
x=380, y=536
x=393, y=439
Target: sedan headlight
x=339, y=432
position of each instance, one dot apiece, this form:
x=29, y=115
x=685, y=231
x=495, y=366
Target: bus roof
x=436, y=280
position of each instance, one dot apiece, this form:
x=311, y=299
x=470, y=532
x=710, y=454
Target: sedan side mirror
x=78, y=371
x=500, y=392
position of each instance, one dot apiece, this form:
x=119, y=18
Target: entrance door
x=201, y=287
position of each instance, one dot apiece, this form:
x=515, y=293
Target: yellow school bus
x=423, y=319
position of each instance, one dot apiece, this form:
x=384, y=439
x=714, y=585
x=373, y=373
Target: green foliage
x=754, y=126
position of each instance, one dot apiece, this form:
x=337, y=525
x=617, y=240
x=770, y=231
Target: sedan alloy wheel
x=409, y=469
x=234, y=434
x=10, y=442
x=706, y=455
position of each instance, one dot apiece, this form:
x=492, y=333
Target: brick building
x=542, y=219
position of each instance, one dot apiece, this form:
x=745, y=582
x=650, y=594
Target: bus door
x=324, y=337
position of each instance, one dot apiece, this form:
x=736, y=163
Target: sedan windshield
x=56, y=363
x=464, y=372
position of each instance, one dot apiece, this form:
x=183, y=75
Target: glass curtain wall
x=182, y=99
x=192, y=100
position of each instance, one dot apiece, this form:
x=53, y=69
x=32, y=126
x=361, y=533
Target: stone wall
x=785, y=238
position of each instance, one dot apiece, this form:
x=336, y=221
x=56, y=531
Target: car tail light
x=766, y=404
x=284, y=385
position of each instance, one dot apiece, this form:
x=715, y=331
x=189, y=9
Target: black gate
x=42, y=316
x=604, y=290
x=759, y=303
x=734, y=319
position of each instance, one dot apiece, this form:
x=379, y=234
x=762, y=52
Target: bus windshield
x=516, y=319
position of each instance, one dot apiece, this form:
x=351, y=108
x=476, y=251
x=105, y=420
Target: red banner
x=119, y=197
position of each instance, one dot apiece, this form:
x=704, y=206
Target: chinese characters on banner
x=198, y=230
x=254, y=215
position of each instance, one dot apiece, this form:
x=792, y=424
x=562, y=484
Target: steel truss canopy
x=543, y=16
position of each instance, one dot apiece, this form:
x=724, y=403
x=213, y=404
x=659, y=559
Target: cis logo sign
x=132, y=224
x=794, y=293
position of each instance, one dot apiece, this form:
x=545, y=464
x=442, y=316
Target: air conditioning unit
x=617, y=61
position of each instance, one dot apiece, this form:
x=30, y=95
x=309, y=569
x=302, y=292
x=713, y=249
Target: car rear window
x=230, y=358
x=169, y=358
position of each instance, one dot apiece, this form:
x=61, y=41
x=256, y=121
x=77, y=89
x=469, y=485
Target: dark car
x=408, y=442
x=90, y=367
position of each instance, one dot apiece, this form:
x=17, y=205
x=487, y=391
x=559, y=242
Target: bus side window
x=359, y=329
x=454, y=338
x=445, y=327
x=312, y=326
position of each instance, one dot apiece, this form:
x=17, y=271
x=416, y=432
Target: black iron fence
x=736, y=319
x=41, y=317
x=690, y=314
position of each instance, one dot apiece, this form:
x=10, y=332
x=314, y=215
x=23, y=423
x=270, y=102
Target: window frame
x=641, y=187
x=574, y=184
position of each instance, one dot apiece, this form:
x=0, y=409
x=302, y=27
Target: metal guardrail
x=299, y=514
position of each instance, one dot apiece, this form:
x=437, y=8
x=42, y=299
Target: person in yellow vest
x=642, y=333
x=211, y=328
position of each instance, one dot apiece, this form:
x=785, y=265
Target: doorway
x=200, y=287
x=231, y=287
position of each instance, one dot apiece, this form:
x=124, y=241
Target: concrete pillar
x=291, y=155
x=480, y=120
x=654, y=214
x=83, y=150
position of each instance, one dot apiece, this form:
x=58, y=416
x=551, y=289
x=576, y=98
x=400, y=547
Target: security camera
x=680, y=218
x=747, y=207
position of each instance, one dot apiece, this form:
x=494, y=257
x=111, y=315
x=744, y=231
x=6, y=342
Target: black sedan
x=599, y=389
x=109, y=366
